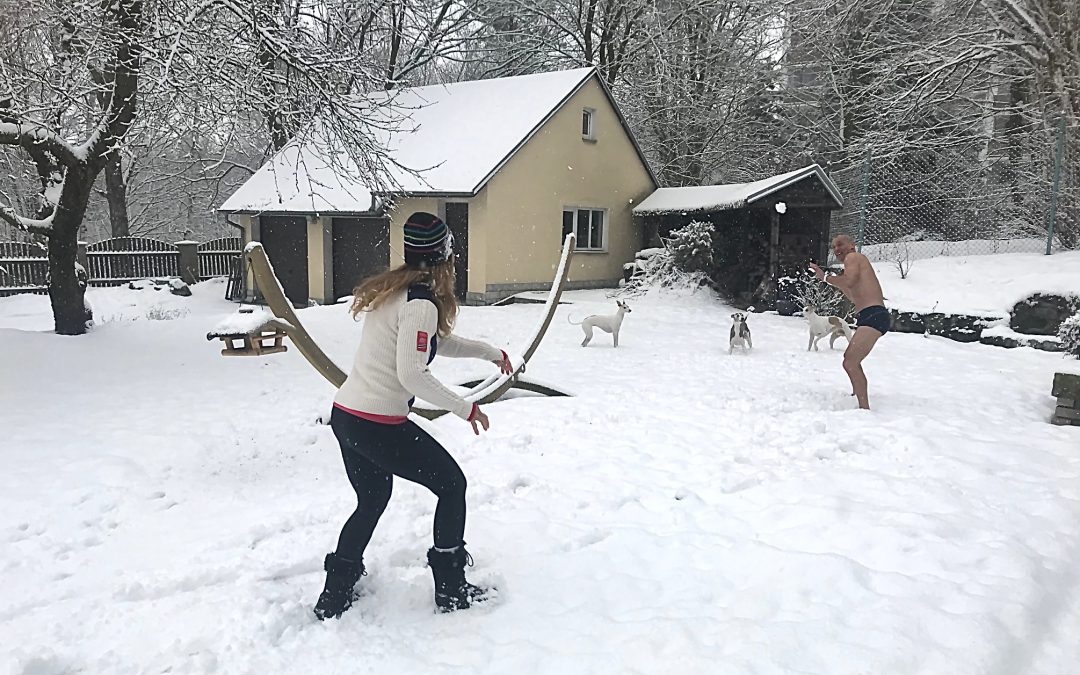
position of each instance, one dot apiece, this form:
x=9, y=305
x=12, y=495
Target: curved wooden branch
x=492, y=388
x=483, y=392
x=527, y=385
x=274, y=295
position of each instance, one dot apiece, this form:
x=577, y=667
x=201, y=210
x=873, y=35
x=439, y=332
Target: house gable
x=556, y=169
x=593, y=80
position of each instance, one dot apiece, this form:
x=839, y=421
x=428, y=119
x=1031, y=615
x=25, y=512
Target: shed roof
x=730, y=196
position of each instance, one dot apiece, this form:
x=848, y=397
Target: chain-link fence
x=924, y=202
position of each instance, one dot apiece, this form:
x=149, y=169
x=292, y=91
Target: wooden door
x=361, y=248
x=457, y=219
x=285, y=240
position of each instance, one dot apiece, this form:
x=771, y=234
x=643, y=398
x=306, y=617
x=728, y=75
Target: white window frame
x=604, y=226
x=589, y=113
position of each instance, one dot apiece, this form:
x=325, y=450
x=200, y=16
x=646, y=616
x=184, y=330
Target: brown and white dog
x=740, y=333
x=820, y=326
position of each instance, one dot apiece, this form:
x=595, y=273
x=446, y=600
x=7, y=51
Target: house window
x=588, y=225
x=588, y=124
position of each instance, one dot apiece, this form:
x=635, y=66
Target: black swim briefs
x=876, y=317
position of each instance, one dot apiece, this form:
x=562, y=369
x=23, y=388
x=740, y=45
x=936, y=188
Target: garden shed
x=764, y=230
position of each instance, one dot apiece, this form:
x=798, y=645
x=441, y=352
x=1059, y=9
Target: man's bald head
x=842, y=245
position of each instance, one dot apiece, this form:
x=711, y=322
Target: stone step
x=1066, y=385
x=1067, y=413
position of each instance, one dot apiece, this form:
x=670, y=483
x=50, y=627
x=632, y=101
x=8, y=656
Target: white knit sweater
x=391, y=363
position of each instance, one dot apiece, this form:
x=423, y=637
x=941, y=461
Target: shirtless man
x=860, y=284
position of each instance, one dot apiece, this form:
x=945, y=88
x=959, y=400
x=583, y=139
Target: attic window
x=588, y=124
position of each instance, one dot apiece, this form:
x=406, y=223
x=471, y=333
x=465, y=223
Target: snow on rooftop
x=730, y=196
x=449, y=139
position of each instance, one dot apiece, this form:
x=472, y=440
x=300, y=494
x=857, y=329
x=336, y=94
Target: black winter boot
x=337, y=596
x=452, y=592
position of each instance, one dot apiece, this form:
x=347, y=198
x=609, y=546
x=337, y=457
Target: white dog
x=740, y=333
x=609, y=323
x=820, y=326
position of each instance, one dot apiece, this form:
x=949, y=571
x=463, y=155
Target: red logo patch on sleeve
x=421, y=341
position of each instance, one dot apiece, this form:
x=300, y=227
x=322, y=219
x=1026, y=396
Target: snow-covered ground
x=164, y=509
x=978, y=283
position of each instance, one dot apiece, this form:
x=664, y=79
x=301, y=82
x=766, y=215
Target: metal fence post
x=1051, y=217
x=862, y=202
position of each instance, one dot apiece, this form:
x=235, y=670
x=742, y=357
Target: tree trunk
x=65, y=289
x=116, y=193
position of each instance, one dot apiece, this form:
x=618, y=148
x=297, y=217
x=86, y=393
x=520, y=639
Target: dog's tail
x=572, y=323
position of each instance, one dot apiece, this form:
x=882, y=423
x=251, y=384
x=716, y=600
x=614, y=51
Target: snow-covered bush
x=1069, y=335
x=807, y=291
x=655, y=268
x=691, y=247
x=899, y=254
x=162, y=313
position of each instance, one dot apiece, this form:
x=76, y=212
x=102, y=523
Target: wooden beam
x=774, y=245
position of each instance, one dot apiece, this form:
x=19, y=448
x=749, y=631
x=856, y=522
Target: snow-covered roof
x=456, y=135
x=732, y=196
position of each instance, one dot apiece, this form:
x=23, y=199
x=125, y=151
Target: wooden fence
x=117, y=261
x=24, y=268
x=217, y=257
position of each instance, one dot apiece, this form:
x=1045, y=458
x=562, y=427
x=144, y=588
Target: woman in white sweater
x=409, y=314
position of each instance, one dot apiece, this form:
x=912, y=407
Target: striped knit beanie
x=427, y=240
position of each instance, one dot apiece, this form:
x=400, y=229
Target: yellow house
x=511, y=164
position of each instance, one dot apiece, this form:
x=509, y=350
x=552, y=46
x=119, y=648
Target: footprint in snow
x=520, y=483
x=590, y=538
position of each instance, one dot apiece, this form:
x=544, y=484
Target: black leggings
x=374, y=453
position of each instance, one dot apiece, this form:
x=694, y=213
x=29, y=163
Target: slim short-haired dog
x=820, y=326
x=609, y=323
x=740, y=333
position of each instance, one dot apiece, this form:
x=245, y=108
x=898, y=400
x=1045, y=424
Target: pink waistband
x=371, y=417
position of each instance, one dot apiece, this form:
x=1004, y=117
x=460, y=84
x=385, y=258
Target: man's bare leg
x=861, y=343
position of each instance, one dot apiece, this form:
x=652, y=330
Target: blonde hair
x=373, y=291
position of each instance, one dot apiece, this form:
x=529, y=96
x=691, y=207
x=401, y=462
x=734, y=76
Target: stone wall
x=959, y=327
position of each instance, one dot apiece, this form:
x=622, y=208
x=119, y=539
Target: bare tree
x=898, y=94
x=700, y=91
x=91, y=95
x=1029, y=52
x=76, y=82
x=526, y=36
